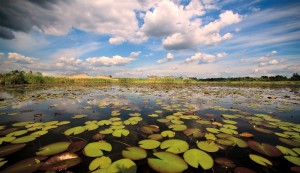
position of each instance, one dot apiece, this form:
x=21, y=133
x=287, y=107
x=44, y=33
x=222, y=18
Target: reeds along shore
x=20, y=77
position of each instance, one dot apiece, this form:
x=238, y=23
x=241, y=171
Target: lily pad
x=196, y=157
x=94, y=149
x=77, y=146
x=91, y=126
x=7, y=139
x=155, y=136
x=101, y=162
x=122, y=166
x=167, y=162
x=149, y=144
x=150, y=129
x=178, y=127
x=239, y=142
x=106, y=131
x=9, y=149
x=61, y=161
x=28, y=165
x=212, y=130
x=175, y=146
x=293, y=159
x=75, y=130
x=264, y=148
x=208, y=146
x=53, y=148
x=225, y=162
x=79, y=116
x=23, y=139
x=196, y=133
x=286, y=151
x=260, y=160
x=120, y=133
x=168, y=133
x=134, y=153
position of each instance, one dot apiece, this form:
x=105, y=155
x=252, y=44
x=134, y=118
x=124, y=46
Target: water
x=61, y=103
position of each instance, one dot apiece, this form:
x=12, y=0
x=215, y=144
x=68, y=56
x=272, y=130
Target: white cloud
x=18, y=58
x=209, y=34
x=169, y=57
x=203, y=58
x=116, y=40
x=267, y=60
x=113, y=61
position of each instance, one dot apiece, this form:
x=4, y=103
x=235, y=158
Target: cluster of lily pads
x=174, y=138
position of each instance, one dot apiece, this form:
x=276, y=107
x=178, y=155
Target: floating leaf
x=260, y=160
x=61, y=161
x=79, y=116
x=28, y=165
x=101, y=162
x=75, y=130
x=168, y=133
x=76, y=146
x=120, y=132
x=63, y=123
x=39, y=133
x=91, y=126
x=286, y=151
x=228, y=131
x=230, y=122
x=17, y=133
x=239, y=142
x=243, y=170
x=175, y=146
x=225, y=162
x=212, y=130
x=150, y=129
x=210, y=136
x=208, y=146
x=9, y=149
x=195, y=157
x=196, y=133
x=167, y=162
x=7, y=139
x=106, y=131
x=290, y=142
x=104, y=122
x=149, y=144
x=53, y=148
x=246, y=134
x=134, y=153
x=155, y=136
x=122, y=166
x=225, y=142
x=23, y=139
x=263, y=130
x=264, y=148
x=2, y=162
x=94, y=149
x=297, y=150
x=293, y=159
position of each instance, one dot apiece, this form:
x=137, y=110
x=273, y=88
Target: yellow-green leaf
x=196, y=157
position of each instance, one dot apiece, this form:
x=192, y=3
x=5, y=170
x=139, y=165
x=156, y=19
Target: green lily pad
x=91, y=126
x=120, y=133
x=155, y=136
x=286, y=151
x=239, y=142
x=23, y=139
x=149, y=144
x=290, y=142
x=263, y=130
x=168, y=133
x=63, y=123
x=212, y=130
x=94, y=149
x=228, y=131
x=229, y=116
x=17, y=133
x=293, y=159
x=104, y=122
x=75, y=130
x=134, y=153
x=196, y=157
x=106, y=131
x=225, y=142
x=194, y=132
x=79, y=116
x=9, y=149
x=260, y=160
x=230, y=122
x=22, y=123
x=210, y=136
x=100, y=162
x=167, y=162
x=7, y=139
x=175, y=146
x=297, y=150
x=163, y=120
x=39, y=133
x=122, y=166
x=53, y=148
x=178, y=127
x=2, y=162
x=208, y=146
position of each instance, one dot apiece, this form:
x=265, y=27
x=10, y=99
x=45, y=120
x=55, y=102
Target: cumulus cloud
x=169, y=57
x=15, y=57
x=113, y=61
x=267, y=60
x=209, y=34
x=68, y=62
x=204, y=58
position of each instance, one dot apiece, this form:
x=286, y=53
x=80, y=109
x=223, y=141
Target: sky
x=140, y=38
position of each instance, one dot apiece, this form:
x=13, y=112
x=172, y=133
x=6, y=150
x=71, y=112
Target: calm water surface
x=207, y=103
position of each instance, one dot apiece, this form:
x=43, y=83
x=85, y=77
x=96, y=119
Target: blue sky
x=138, y=38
